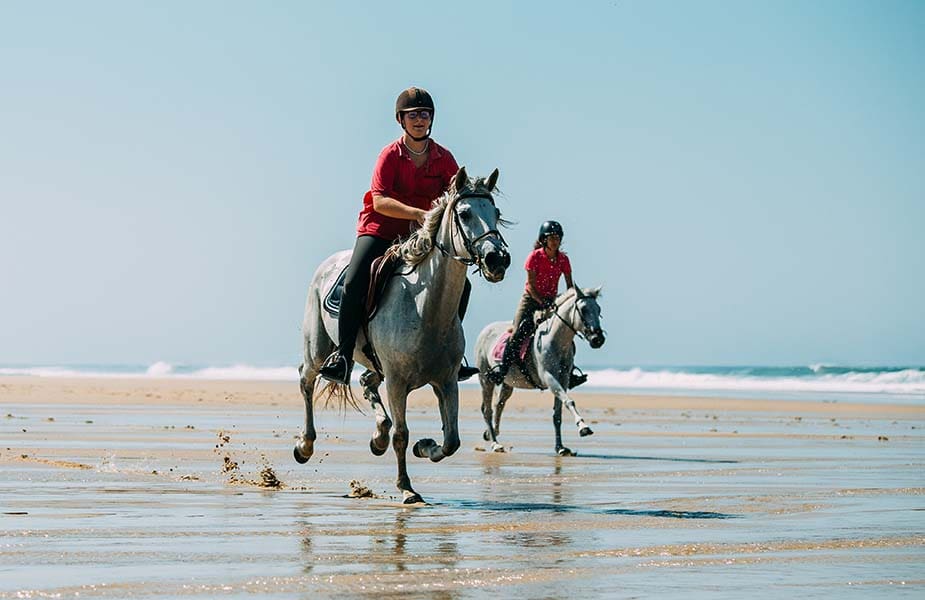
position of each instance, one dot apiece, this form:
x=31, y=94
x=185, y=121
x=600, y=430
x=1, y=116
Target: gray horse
x=416, y=333
x=576, y=312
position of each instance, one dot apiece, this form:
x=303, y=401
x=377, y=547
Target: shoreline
x=107, y=391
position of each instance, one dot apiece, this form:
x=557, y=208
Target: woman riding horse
x=545, y=265
x=409, y=175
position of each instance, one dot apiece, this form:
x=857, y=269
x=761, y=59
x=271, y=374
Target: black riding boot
x=465, y=371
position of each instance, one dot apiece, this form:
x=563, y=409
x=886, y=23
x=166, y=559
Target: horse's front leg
x=379, y=443
x=558, y=391
x=398, y=402
x=448, y=400
x=305, y=447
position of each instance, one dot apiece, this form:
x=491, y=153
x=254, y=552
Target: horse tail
x=340, y=395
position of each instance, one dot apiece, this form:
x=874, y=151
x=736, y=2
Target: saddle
x=522, y=360
x=380, y=271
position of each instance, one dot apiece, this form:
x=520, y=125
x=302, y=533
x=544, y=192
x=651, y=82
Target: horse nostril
x=496, y=260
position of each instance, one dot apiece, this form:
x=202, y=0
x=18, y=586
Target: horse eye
x=497, y=213
x=465, y=213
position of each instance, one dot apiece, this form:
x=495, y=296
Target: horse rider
x=409, y=175
x=545, y=265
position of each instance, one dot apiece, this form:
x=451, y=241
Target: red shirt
x=547, y=271
x=395, y=176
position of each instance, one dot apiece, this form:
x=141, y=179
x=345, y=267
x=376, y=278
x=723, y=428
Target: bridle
x=469, y=245
x=568, y=322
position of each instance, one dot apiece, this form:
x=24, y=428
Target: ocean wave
x=870, y=381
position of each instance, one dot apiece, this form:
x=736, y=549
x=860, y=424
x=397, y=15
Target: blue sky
x=745, y=180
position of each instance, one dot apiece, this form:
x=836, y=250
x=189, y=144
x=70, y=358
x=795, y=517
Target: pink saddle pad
x=497, y=352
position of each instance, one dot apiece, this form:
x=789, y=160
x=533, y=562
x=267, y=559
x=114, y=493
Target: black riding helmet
x=549, y=228
x=414, y=98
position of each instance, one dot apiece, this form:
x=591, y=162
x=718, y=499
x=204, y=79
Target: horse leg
x=398, y=402
x=503, y=396
x=559, y=393
x=489, y=435
x=379, y=443
x=448, y=400
x=305, y=447
x=583, y=429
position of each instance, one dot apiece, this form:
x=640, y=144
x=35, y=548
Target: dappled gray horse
x=576, y=312
x=416, y=333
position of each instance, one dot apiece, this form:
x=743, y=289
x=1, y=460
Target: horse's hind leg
x=489, y=435
x=503, y=396
x=379, y=443
x=305, y=447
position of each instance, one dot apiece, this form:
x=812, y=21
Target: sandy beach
x=173, y=488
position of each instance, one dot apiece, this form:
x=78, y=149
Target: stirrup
x=495, y=375
x=465, y=371
x=337, y=368
x=576, y=379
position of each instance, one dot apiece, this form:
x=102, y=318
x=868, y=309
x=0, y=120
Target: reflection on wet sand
x=130, y=500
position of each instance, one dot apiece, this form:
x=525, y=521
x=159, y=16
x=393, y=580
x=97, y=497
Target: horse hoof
x=298, y=457
x=585, y=431
x=377, y=451
x=414, y=498
x=420, y=446
x=486, y=436
x=563, y=451
x=496, y=447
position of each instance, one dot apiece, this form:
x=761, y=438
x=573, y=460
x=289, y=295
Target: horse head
x=589, y=315
x=471, y=224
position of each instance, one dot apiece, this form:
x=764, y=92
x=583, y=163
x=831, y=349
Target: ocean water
x=893, y=384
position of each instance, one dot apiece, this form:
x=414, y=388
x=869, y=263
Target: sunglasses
x=415, y=114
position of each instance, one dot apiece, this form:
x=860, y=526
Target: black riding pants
x=356, y=285
x=524, y=325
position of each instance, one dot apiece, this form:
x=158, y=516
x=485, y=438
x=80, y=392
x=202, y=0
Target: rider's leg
x=338, y=365
x=523, y=327
x=465, y=371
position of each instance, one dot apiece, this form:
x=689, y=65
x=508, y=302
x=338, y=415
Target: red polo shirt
x=395, y=176
x=547, y=271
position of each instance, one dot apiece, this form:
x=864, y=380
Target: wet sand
x=128, y=488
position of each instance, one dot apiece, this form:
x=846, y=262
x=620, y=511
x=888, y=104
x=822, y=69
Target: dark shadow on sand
x=570, y=508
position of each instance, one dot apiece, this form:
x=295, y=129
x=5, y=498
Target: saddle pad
x=497, y=351
x=332, y=298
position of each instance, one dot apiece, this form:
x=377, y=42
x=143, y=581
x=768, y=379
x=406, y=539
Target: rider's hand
x=548, y=304
x=420, y=216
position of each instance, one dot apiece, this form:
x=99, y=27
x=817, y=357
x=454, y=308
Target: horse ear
x=492, y=180
x=595, y=292
x=460, y=180
x=578, y=293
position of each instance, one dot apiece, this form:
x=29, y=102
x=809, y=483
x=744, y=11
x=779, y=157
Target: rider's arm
x=391, y=207
x=568, y=281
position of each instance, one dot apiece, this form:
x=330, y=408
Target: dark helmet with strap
x=549, y=228
x=414, y=98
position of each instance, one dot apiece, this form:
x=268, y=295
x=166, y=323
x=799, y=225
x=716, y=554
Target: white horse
x=552, y=351
x=416, y=333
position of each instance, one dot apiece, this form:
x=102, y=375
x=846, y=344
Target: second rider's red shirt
x=547, y=271
x=395, y=176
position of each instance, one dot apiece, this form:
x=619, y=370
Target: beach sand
x=131, y=488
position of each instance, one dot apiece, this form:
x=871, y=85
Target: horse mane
x=421, y=242
x=416, y=248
